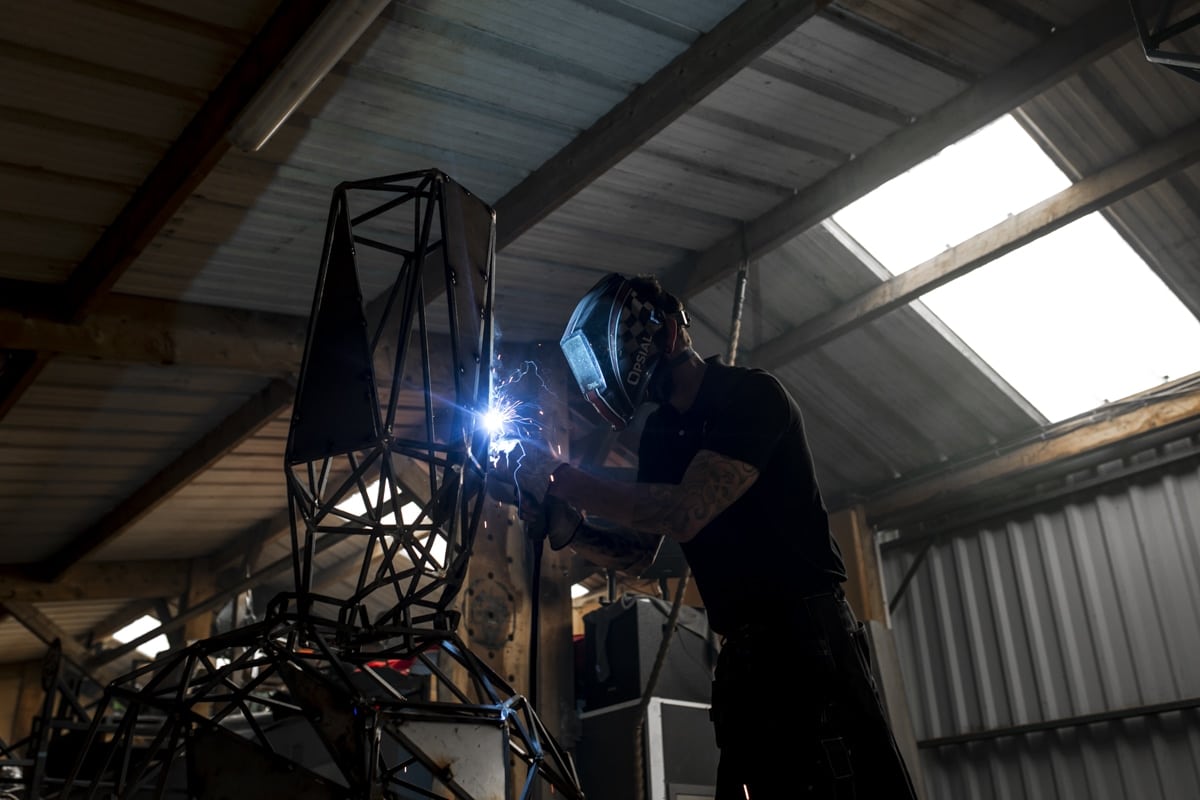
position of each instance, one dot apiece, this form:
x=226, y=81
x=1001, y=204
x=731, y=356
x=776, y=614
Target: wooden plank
x=19, y=368
x=1123, y=426
x=143, y=331
x=106, y=580
x=30, y=699
x=187, y=162
x=864, y=581
x=201, y=584
x=1061, y=55
x=137, y=330
x=737, y=40
x=1094, y=192
x=238, y=426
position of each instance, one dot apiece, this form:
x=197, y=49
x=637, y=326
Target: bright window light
x=410, y=513
x=145, y=624
x=579, y=590
x=1072, y=320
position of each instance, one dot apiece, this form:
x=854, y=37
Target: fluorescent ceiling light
x=321, y=47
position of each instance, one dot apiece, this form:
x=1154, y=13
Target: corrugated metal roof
x=76, y=619
x=95, y=94
x=88, y=434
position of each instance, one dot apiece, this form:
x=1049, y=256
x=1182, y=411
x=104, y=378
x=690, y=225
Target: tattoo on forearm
x=619, y=548
x=710, y=485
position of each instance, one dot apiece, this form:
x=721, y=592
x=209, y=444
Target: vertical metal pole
x=739, y=301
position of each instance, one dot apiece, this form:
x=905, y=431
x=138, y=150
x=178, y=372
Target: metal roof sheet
x=488, y=93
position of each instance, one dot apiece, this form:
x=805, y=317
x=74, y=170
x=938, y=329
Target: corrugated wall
x=1088, y=607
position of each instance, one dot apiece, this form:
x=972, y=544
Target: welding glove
x=554, y=520
x=523, y=474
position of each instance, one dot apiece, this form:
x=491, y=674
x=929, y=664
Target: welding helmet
x=611, y=349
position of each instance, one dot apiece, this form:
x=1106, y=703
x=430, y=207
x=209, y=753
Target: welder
x=724, y=468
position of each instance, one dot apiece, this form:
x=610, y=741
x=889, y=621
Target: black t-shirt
x=774, y=543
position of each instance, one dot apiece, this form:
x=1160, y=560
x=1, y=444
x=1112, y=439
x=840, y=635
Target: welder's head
x=615, y=344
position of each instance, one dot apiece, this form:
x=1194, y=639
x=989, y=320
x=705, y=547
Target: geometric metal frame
x=386, y=449
x=159, y=728
x=1154, y=34
x=386, y=440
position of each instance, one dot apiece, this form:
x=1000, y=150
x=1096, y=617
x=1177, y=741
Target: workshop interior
x=281, y=279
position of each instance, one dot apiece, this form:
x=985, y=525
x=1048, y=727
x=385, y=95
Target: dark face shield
x=609, y=346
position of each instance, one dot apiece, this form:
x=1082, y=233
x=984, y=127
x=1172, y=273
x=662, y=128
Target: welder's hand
x=526, y=468
x=553, y=520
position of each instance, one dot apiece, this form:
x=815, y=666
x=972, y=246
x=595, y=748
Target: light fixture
x=322, y=46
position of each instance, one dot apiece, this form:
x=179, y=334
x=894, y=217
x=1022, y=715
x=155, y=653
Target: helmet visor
x=609, y=347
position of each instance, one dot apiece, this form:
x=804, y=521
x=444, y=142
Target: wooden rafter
x=1172, y=154
x=188, y=161
x=260, y=409
x=1126, y=423
x=105, y=580
x=44, y=628
x=736, y=41
x=1061, y=55
x=136, y=330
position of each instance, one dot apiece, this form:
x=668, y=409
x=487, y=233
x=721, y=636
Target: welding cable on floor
x=639, y=753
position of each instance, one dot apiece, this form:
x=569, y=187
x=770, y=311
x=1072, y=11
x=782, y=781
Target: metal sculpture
x=1164, y=29
x=334, y=696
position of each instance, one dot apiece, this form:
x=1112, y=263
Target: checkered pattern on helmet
x=637, y=319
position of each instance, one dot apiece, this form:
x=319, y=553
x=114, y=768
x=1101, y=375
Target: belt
x=775, y=624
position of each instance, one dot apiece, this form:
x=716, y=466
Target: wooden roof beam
x=1164, y=158
x=187, y=162
x=749, y=31
x=1060, y=56
x=44, y=628
x=1130, y=423
x=136, y=330
x=104, y=580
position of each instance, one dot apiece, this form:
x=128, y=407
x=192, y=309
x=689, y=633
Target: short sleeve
x=750, y=424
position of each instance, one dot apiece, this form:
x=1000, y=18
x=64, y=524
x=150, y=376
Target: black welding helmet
x=610, y=347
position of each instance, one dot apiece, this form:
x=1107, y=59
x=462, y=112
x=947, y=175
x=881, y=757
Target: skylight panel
x=142, y=625
x=1072, y=320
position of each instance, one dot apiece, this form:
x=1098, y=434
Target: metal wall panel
x=1088, y=606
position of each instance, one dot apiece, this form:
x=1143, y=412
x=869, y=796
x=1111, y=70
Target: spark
x=515, y=424
x=510, y=419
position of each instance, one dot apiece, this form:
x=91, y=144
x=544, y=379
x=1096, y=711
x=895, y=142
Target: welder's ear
x=670, y=336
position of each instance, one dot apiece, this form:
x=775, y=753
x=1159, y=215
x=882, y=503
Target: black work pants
x=797, y=714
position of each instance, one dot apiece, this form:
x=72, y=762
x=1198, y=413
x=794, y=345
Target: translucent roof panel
x=1072, y=320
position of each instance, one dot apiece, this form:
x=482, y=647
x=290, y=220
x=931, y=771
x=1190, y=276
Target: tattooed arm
x=711, y=484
